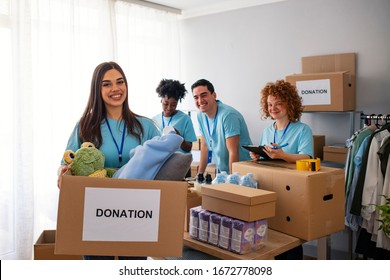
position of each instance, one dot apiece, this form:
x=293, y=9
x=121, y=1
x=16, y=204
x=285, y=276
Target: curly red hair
x=285, y=92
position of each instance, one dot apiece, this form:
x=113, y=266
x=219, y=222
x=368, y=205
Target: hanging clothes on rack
x=353, y=221
x=353, y=145
x=367, y=179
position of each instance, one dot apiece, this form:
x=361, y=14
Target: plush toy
x=87, y=161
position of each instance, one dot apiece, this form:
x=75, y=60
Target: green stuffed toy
x=87, y=161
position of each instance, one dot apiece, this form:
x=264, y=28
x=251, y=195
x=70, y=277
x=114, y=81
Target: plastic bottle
x=225, y=175
x=234, y=178
x=208, y=179
x=219, y=179
x=248, y=181
x=199, y=182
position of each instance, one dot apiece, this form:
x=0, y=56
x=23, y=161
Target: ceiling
x=191, y=8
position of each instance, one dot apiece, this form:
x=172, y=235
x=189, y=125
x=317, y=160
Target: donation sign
x=314, y=92
x=130, y=215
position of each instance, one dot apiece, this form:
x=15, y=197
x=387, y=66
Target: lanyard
x=284, y=132
x=213, y=128
x=162, y=119
x=123, y=139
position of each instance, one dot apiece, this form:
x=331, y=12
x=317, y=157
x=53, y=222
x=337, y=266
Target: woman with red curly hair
x=287, y=138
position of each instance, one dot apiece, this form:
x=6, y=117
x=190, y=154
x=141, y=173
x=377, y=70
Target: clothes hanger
x=378, y=117
x=372, y=117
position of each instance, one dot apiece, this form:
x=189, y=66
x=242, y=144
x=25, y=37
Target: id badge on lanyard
x=210, y=156
x=211, y=131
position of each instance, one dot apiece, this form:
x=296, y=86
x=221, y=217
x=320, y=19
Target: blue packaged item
x=234, y=178
x=225, y=233
x=214, y=225
x=219, y=179
x=194, y=222
x=243, y=234
x=248, y=181
x=261, y=233
x=204, y=218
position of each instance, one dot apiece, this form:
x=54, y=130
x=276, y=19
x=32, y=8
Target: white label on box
x=121, y=214
x=315, y=92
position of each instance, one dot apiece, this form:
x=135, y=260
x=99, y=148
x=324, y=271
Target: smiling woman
x=47, y=59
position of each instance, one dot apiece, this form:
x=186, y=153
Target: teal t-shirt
x=228, y=122
x=182, y=122
x=298, y=136
x=109, y=148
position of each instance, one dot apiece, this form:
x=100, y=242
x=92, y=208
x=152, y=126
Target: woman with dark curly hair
x=171, y=93
x=287, y=138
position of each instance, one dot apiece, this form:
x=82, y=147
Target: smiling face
x=113, y=89
x=205, y=100
x=276, y=108
x=168, y=106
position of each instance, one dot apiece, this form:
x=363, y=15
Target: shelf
x=276, y=244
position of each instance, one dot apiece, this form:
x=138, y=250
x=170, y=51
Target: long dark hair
x=95, y=111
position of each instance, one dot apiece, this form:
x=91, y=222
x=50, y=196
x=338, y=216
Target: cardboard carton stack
x=327, y=82
x=232, y=217
x=310, y=205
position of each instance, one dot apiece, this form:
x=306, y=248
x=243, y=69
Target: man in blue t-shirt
x=223, y=129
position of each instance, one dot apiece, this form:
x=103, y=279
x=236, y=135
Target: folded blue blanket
x=147, y=159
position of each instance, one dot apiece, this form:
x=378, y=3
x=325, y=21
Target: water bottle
x=220, y=178
x=234, y=178
x=208, y=179
x=199, y=182
x=248, y=181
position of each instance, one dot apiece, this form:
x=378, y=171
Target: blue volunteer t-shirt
x=108, y=147
x=182, y=122
x=298, y=136
x=228, y=122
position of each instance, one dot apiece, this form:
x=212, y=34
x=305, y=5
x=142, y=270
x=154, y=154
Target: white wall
x=240, y=51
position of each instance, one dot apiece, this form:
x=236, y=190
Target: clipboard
x=257, y=150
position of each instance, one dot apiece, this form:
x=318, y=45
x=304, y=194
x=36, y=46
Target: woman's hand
x=61, y=170
x=254, y=156
x=273, y=152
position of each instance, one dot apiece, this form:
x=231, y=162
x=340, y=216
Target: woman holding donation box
x=109, y=124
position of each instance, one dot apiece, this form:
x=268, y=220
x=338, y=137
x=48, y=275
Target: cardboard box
x=194, y=199
x=119, y=217
x=194, y=169
x=244, y=203
x=318, y=146
x=44, y=248
x=335, y=154
x=330, y=91
x=329, y=63
x=210, y=169
x=196, y=145
x=309, y=204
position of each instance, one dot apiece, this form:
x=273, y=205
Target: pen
x=280, y=146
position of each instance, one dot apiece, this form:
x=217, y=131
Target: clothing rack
x=366, y=119
x=378, y=119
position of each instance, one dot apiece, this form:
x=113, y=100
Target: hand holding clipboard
x=257, y=150
x=260, y=150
